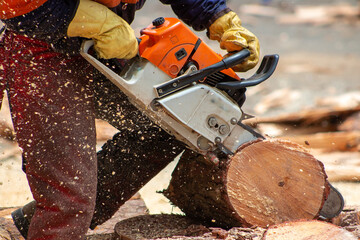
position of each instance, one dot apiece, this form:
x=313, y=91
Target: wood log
x=105, y=236
x=351, y=123
x=349, y=219
x=303, y=230
x=8, y=231
x=329, y=141
x=171, y=227
x=158, y=226
x=350, y=216
x=266, y=182
x=309, y=116
x=278, y=130
x=343, y=173
x=341, y=166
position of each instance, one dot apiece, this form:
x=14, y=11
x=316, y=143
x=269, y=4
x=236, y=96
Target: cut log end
x=273, y=181
x=302, y=230
x=266, y=182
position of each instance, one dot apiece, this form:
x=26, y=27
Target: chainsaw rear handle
x=184, y=80
x=266, y=69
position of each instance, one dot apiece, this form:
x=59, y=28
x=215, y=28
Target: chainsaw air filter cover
x=170, y=45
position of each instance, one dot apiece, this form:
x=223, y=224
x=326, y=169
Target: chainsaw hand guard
x=266, y=69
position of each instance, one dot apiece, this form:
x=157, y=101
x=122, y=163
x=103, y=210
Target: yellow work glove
x=233, y=37
x=113, y=37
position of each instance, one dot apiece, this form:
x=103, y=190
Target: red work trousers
x=53, y=114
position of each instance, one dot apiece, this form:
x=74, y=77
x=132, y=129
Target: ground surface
x=318, y=60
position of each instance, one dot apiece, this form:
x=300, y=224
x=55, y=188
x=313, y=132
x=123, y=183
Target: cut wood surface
x=266, y=182
x=304, y=230
x=284, y=181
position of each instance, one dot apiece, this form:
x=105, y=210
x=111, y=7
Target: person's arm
x=113, y=37
x=222, y=25
x=199, y=14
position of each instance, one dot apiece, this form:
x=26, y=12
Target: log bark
x=158, y=226
x=266, y=182
x=175, y=227
x=302, y=230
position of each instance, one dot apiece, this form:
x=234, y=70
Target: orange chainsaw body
x=170, y=46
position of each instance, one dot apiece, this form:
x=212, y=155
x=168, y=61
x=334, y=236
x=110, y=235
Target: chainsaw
x=191, y=92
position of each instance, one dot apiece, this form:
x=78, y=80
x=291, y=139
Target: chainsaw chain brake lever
x=266, y=69
x=184, y=80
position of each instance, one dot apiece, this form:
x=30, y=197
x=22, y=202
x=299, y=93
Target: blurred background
x=313, y=98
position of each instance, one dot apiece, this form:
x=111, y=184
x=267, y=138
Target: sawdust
x=323, y=62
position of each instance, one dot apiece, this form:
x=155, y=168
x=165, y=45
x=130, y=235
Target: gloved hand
x=233, y=37
x=113, y=37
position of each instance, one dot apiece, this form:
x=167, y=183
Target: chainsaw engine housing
x=171, y=46
x=174, y=82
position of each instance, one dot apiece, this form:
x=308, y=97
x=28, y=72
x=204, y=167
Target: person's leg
x=53, y=115
x=133, y=157
x=3, y=62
